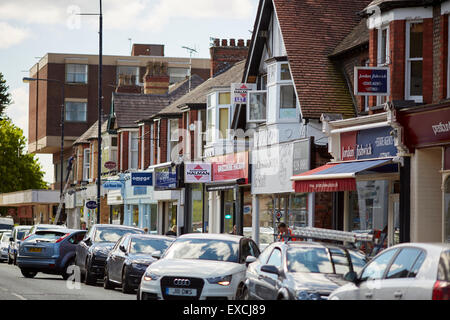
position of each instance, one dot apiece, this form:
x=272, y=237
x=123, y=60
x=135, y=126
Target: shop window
x=228, y=211
x=266, y=219
x=117, y=214
x=197, y=207
x=153, y=218
x=298, y=216
x=447, y=211
x=172, y=215
x=414, y=60
x=135, y=215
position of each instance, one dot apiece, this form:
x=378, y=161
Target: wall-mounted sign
x=371, y=81
x=239, y=92
x=368, y=144
x=231, y=166
x=142, y=178
x=166, y=178
x=197, y=172
x=138, y=191
x=110, y=165
x=112, y=185
x=302, y=156
x=91, y=204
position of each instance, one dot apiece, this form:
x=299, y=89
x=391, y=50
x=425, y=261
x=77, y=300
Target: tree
x=5, y=96
x=19, y=170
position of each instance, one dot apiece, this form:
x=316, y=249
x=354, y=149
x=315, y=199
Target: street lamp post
x=61, y=83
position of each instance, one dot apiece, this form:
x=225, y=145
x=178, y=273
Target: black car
x=130, y=257
x=91, y=253
x=300, y=271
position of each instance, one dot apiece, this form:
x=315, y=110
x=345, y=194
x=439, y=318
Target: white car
x=199, y=266
x=408, y=271
x=4, y=244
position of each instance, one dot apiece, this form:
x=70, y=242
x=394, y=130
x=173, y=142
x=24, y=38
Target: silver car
x=4, y=244
x=409, y=271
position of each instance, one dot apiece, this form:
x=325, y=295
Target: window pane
x=415, y=40
x=275, y=258
x=223, y=122
x=376, y=268
x=403, y=263
x=173, y=130
x=383, y=48
x=416, y=78
x=76, y=111
x=210, y=125
x=197, y=207
x=415, y=269
x=284, y=72
x=257, y=106
x=288, y=102
x=224, y=98
x=76, y=73
x=128, y=74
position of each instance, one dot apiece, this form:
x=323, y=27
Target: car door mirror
x=270, y=269
x=249, y=260
x=352, y=276
x=88, y=241
x=11, y=239
x=122, y=248
x=156, y=254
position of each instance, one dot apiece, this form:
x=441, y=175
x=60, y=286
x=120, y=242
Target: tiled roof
x=131, y=107
x=198, y=95
x=400, y=3
x=91, y=133
x=357, y=37
x=311, y=31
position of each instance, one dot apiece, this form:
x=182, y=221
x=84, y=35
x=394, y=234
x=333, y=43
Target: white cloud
x=10, y=36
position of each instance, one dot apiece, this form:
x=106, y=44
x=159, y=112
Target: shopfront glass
x=172, y=212
x=266, y=219
x=205, y=211
x=447, y=211
x=369, y=206
x=197, y=207
x=228, y=211
x=135, y=211
x=298, y=215
x=117, y=214
x=153, y=218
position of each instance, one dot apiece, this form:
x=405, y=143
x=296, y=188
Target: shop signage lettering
x=371, y=81
x=239, y=92
x=165, y=178
x=142, y=178
x=367, y=144
x=197, y=172
x=112, y=185
x=441, y=128
x=302, y=156
x=230, y=166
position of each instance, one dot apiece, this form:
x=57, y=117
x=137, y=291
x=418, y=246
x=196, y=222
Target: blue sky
x=31, y=28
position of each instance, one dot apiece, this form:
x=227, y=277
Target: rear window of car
x=45, y=235
x=444, y=266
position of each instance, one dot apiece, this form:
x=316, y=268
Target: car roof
x=212, y=236
x=101, y=225
x=151, y=236
x=423, y=245
x=22, y=227
x=55, y=226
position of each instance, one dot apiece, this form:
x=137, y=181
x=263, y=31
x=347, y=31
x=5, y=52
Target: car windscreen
x=6, y=226
x=45, y=236
x=6, y=236
x=313, y=260
x=148, y=246
x=203, y=249
x=112, y=234
x=21, y=234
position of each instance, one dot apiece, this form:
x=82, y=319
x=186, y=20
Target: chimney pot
x=240, y=42
x=224, y=42
x=232, y=42
x=248, y=42
x=217, y=42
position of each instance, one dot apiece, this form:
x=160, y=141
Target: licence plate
x=34, y=249
x=181, y=292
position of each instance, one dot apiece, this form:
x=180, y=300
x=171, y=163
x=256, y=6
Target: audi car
x=130, y=257
x=199, y=266
x=92, y=251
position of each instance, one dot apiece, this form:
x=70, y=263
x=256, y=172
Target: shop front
x=364, y=179
x=169, y=195
x=426, y=135
x=229, y=194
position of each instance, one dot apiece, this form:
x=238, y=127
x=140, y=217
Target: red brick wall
x=147, y=144
x=223, y=54
x=440, y=69
x=373, y=47
x=123, y=149
x=163, y=141
x=397, y=47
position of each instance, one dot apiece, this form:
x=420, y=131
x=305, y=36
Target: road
x=14, y=286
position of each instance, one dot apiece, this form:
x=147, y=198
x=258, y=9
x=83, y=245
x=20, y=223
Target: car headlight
x=149, y=276
x=223, y=281
x=305, y=295
x=139, y=266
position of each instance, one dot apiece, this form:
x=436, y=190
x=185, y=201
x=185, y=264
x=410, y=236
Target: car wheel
x=66, y=274
x=240, y=292
x=126, y=288
x=106, y=283
x=28, y=273
x=89, y=279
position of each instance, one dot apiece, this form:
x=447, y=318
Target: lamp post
x=61, y=83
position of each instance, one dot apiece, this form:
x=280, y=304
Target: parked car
x=49, y=251
x=199, y=266
x=6, y=223
x=297, y=270
x=17, y=235
x=130, y=257
x=266, y=236
x=408, y=271
x=4, y=244
x=42, y=226
x=92, y=251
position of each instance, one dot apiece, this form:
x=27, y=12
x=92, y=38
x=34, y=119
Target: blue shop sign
x=112, y=185
x=166, y=178
x=142, y=178
x=375, y=143
x=139, y=191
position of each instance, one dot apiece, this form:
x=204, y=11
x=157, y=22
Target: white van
x=6, y=223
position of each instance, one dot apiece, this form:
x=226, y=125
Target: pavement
x=14, y=286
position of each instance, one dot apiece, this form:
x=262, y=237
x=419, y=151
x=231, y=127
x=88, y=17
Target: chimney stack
x=224, y=55
x=156, y=78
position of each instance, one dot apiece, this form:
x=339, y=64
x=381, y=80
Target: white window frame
x=86, y=164
x=210, y=131
x=383, y=99
x=91, y=147
x=249, y=94
x=417, y=99
x=152, y=160
x=170, y=139
x=85, y=73
x=133, y=151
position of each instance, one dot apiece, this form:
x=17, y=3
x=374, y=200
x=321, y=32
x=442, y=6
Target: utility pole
x=190, y=63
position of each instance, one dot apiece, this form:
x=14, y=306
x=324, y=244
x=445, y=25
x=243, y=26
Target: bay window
x=414, y=60
x=256, y=108
x=288, y=102
x=218, y=116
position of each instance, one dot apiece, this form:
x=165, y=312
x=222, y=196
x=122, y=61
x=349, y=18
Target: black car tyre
x=89, y=279
x=28, y=273
x=126, y=288
x=240, y=292
x=107, y=284
x=66, y=274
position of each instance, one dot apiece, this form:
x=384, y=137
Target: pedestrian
x=233, y=231
x=284, y=233
x=83, y=225
x=146, y=230
x=172, y=231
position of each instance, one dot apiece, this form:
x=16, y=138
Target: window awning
x=334, y=177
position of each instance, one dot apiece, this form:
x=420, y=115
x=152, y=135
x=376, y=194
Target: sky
x=31, y=28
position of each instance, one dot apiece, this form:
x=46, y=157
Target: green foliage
x=18, y=169
x=5, y=97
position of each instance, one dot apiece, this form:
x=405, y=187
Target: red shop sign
x=231, y=166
